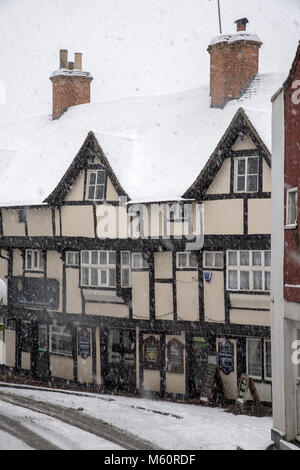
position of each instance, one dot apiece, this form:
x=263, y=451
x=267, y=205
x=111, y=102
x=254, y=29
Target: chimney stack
x=241, y=24
x=70, y=84
x=233, y=64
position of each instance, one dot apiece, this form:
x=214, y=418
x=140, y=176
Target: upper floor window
x=292, y=207
x=246, y=174
x=34, y=260
x=176, y=213
x=72, y=258
x=95, y=185
x=249, y=270
x=213, y=259
x=98, y=268
x=186, y=260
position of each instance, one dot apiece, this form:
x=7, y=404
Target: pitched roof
x=156, y=146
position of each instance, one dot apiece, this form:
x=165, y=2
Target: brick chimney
x=70, y=84
x=233, y=64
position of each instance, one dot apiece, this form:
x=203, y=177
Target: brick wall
x=291, y=180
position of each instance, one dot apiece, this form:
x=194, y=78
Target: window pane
x=36, y=259
x=85, y=276
x=91, y=192
x=94, y=276
x=182, y=260
x=112, y=257
x=193, y=260
x=241, y=183
x=125, y=258
x=92, y=178
x=252, y=183
x=267, y=258
x=292, y=208
x=232, y=258
x=208, y=259
x=244, y=280
x=76, y=261
x=100, y=177
x=267, y=280
x=85, y=257
x=257, y=280
x=252, y=166
x=29, y=260
x=268, y=372
x=219, y=260
x=103, y=257
x=94, y=257
x=99, y=192
x=256, y=259
x=254, y=357
x=69, y=258
x=232, y=280
x=244, y=258
x=112, y=277
x=241, y=166
x=103, y=277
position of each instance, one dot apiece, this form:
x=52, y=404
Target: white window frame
x=213, y=265
x=99, y=266
x=125, y=267
x=88, y=184
x=289, y=222
x=72, y=258
x=257, y=377
x=189, y=264
x=251, y=268
x=142, y=264
x=265, y=359
x=37, y=260
x=55, y=330
x=246, y=158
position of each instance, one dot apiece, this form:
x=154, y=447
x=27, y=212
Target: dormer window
x=95, y=185
x=246, y=174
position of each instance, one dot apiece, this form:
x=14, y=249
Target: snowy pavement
x=172, y=426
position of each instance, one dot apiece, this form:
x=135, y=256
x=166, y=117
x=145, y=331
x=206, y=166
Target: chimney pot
x=241, y=24
x=78, y=60
x=63, y=59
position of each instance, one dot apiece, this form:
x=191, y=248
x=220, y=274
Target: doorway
x=119, y=359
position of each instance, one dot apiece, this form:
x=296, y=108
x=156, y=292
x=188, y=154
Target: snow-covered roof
x=231, y=38
x=156, y=145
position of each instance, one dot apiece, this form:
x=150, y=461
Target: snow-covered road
x=172, y=426
x=23, y=429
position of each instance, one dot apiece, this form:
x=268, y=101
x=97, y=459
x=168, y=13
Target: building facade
x=134, y=295
x=285, y=259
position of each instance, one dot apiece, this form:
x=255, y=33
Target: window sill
x=290, y=227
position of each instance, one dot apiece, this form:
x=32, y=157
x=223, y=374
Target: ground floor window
x=121, y=347
x=60, y=340
x=259, y=358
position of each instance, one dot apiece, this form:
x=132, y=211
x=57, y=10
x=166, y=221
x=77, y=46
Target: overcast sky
x=131, y=47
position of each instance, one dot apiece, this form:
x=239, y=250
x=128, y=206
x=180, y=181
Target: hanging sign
x=226, y=357
x=84, y=343
x=151, y=353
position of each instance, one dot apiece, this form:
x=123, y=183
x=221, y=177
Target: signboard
x=151, y=353
x=84, y=343
x=212, y=379
x=247, y=383
x=175, y=356
x=226, y=357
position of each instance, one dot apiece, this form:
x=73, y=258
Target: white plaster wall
x=277, y=246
